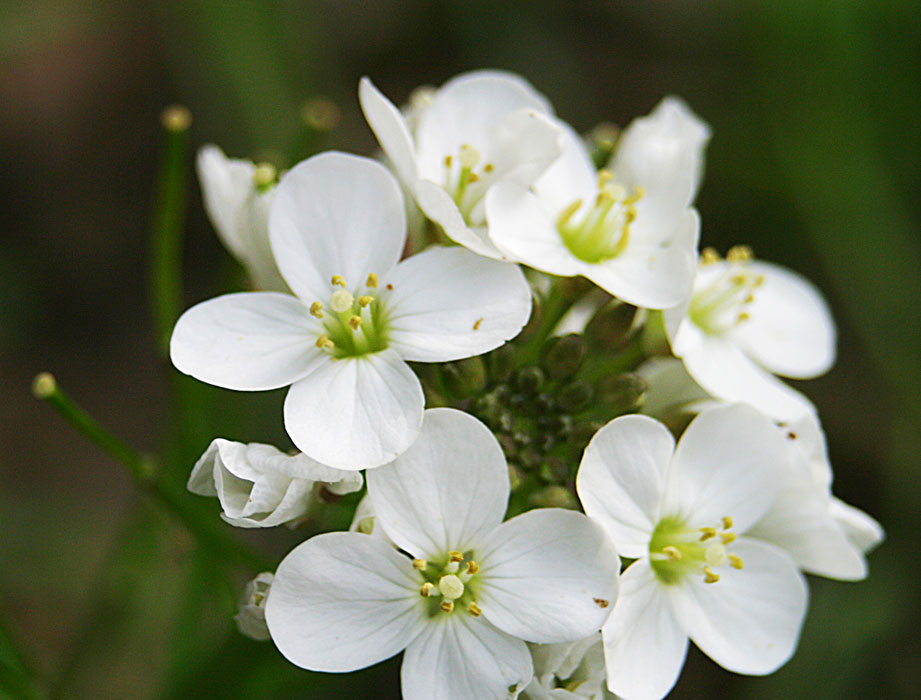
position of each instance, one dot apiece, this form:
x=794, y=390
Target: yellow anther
x=454, y=555
x=738, y=280
x=728, y=537
x=316, y=309
x=630, y=214
x=448, y=161
x=727, y=522
x=427, y=588
x=672, y=552
x=472, y=567
x=324, y=343
x=355, y=322
x=759, y=280
x=743, y=317
x=474, y=610
x=420, y=564
x=341, y=300
x=372, y=281
x=709, y=576
x=469, y=156
x=264, y=175
x=637, y=195
x=750, y=298
x=604, y=177
x=447, y=606
x=709, y=256
x=707, y=533
x=488, y=168
x=473, y=177
x=338, y=279
x=365, y=300
x=740, y=253
x=568, y=211
x=735, y=561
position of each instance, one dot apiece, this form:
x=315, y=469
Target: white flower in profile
x=824, y=535
x=568, y=671
x=475, y=131
x=746, y=321
x=260, y=486
x=683, y=514
x=466, y=588
x=251, y=617
x=337, y=230
x=629, y=228
x=237, y=194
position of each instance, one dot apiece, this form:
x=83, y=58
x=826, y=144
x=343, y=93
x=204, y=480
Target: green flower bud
x=464, y=378
x=529, y=380
x=621, y=393
x=501, y=361
x=575, y=396
x=610, y=327
x=563, y=355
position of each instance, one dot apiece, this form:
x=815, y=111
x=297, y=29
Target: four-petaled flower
x=337, y=228
x=466, y=588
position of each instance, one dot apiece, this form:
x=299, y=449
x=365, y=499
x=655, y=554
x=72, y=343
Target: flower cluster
x=577, y=453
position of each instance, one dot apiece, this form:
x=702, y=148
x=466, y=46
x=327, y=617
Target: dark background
x=814, y=162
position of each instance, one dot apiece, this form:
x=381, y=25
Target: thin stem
x=143, y=469
x=168, y=222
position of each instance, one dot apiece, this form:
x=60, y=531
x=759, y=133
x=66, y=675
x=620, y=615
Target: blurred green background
x=815, y=109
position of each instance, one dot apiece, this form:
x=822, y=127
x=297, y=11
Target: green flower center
x=450, y=584
x=722, y=303
x=676, y=550
x=353, y=325
x=602, y=231
x=467, y=184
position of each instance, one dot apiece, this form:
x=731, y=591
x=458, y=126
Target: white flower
x=237, y=196
x=337, y=230
x=671, y=390
x=260, y=486
x=474, y=588
x=251, y=617
x=682, y=514
x=746, y=321
x=630, y=228
x=568, y=671
x=477, y=130
x=824, y=535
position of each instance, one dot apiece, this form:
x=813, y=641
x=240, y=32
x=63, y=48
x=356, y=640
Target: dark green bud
x=528, y=380
x=553, y=497
x=621, y=393
x=501, y=361
x=554, y=470
x=543, y=404
x=464, y=378
x=563, y=355
x=610, y=328
x=582, y=432
x=575, y=396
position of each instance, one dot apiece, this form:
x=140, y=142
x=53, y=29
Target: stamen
x=473, y=177
x=420, y=564
x=709, y=576
x=448, y=161
x=474, y=610
x=372, y=281
x=488, y=168
x=740, y=253
x=264, y=175
x=324, y=343
x=363, y=301
x=735, y=561
x=604, y=177
x=341, y=300
x=672, y=552
x=742, y=317
x=355, y=322
x=454, y=555
x=447, y=606
x=472, y=567
x=338, y=279
x=567, y=212
x=427, y=589
x=316, y=309
x=728, y=537
x=727, y=522
x=708, y=256
x=708, y=532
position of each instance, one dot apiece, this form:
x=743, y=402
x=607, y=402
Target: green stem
x=168, y=222
x=143, y=470
x=553, y=308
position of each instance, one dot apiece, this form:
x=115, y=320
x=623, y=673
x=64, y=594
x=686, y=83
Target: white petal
x=343, y=601
x=622, y=478
x=663, y=152
x=656, y=270
x=355, y=413
x=572, y=176
x=548, y=575
x=201, y=481
x=225, y=184
x=458, y=657
x=440, y=208
x=449, y=303
x=644, y=646
x=521, y=227
x=860, y=528
x=336, y=214
x=524, y=144
x=670, y=388
x=790, y=330
x=445, y=490
x=748, y=621
x=729, y=462
x=248, y=341
x=390, y=128
x=726, y=372
x=801, y=523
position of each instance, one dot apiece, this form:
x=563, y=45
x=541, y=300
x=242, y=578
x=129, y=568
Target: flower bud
x=575, y=396
x=563, y=355
x=464, y=378
x=621, y=393
x=251, y=617
x=529, y=380
x=610, y=328
x=501, y=361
